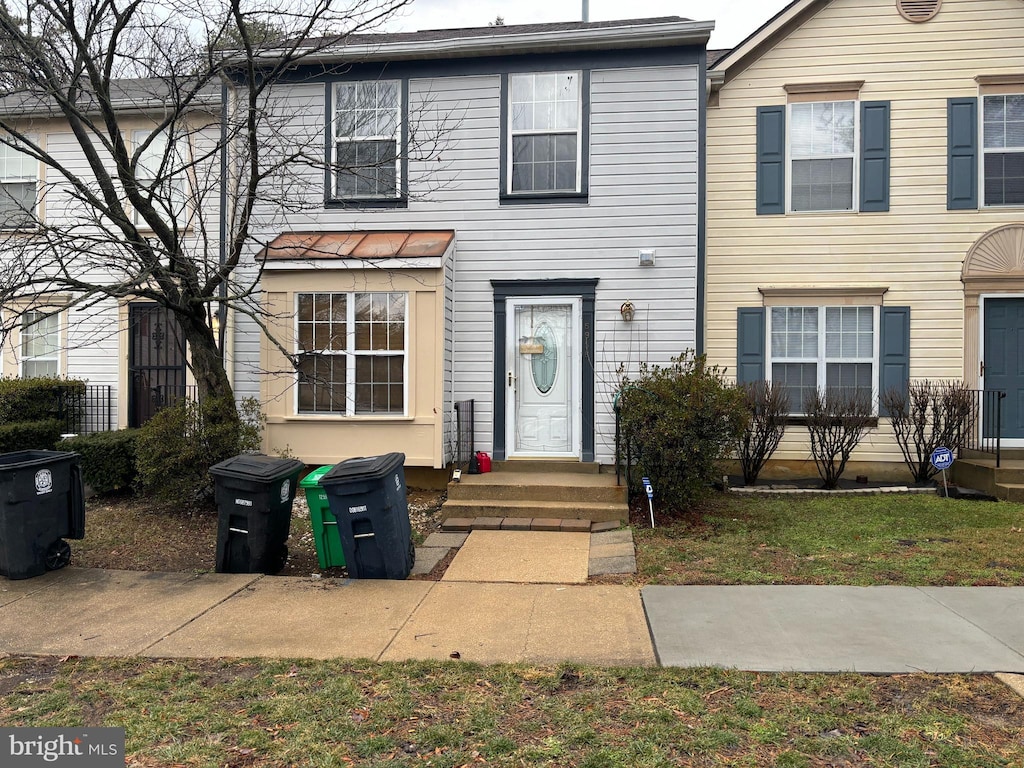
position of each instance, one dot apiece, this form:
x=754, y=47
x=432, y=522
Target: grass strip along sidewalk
x=857, y=540
x=256, y=714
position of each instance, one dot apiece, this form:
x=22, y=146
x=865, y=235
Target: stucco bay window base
x=994, y=266
x=329, y=438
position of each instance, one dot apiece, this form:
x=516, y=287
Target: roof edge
x=627, y=36
x=761, y=38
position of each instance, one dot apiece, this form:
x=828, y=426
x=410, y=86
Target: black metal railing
x=984, y=431
x=464, y=428
x=87, y=409
x=622, y=462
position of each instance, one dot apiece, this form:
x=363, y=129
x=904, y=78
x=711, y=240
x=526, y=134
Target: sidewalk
x=763, y=628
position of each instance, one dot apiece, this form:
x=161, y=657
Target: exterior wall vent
x=918, y=10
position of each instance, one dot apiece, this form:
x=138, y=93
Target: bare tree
x=128, y=211
x=837, y=419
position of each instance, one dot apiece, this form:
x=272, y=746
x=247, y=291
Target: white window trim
x=821, y=361
x=351, y=354
x=855, y=206
x=138, y=136
x=58, y=352
x=336, y=139
x=578, y=132
x=985, y=151
x=34, y=224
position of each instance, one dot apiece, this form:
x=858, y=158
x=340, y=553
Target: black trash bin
x=367, y=496
x=42, y=502
x=254, y=505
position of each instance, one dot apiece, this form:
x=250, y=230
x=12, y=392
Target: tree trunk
x=207, y=365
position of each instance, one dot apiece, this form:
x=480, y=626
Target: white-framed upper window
x=544, y=142
x=40, y=344
x=367, y=137
x=19, y=188
x=823, y=156
x=1003, y=166
x=821, y=348
x=352, y=350
x=162, y=172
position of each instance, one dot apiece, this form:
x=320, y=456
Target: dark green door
x=1004, y=359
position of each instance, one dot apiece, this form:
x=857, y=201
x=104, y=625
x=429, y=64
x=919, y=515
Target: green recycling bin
x=325, y=524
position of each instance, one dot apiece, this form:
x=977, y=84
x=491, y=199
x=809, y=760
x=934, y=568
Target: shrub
x=837, y=419
x=40, y=399
x=929, y=415
x=108, y=458
x=30, y=435
x=678, y=424
x=176, y=448
x=767, y=411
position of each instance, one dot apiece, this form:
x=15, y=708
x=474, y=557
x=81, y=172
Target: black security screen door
x=156, y=361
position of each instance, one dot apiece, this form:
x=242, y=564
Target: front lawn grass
x=859, y=540
x=270, y=713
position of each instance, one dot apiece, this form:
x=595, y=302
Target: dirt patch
x=136, y=534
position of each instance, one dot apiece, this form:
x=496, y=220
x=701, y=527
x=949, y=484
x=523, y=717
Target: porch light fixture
x=627, y=310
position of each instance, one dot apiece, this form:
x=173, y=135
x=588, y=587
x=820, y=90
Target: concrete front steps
x=538, y=489
x=1005, y=482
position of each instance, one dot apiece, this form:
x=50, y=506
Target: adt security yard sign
x=942, y=458
x=650, y=497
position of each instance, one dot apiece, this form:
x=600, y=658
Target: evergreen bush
x=678, y=423
x=108, y=458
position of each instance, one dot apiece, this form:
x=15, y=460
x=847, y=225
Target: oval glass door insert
x=545, y=365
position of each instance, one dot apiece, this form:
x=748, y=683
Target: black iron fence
x=93, y=408
x=464, y=447
x=984, y=432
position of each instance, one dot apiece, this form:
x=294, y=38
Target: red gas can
x=483, y=461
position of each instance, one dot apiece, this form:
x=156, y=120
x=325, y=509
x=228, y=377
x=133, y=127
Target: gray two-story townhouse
x=507, y=215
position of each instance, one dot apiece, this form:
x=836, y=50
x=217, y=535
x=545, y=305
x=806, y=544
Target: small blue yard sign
x=942, y=458
x=648, y=487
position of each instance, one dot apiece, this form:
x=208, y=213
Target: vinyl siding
x=916, y=249
x=643, y=194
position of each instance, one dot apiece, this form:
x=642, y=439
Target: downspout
x=702, y=194
x=226, y=356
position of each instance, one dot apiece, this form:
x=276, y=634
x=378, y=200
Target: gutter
x=639, y=36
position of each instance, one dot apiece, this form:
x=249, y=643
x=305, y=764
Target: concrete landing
x=878, y=630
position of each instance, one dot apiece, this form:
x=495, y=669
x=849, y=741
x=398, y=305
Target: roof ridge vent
x=918, y=10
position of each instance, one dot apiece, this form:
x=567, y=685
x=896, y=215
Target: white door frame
x=1006, y=442
x=575, y=356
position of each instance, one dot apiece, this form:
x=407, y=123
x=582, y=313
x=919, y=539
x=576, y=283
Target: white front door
x=543, y=373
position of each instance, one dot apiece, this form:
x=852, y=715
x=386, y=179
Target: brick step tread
x=546, y=465
x=538, y=493
x=553, y=509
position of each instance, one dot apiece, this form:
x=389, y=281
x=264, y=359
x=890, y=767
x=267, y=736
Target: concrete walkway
x=90, y=612
x=879, y=630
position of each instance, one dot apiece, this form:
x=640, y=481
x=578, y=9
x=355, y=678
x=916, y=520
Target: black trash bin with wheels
x=42, y=502
x=367, y=496
x=254, y=505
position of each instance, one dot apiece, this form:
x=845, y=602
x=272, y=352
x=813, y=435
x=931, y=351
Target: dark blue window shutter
x=894, y=351
x=771, y=160
x=874, y=156
x=962, y=139
x=750, y=345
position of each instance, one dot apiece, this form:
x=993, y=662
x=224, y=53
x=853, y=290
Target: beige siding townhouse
x=865, y=206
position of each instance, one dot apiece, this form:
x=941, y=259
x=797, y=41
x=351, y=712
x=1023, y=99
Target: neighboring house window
x=161, y=172
x=352, y=353
x=1003, y=127
x=544, y=132
x=40, y=345
x=822, y=154
x=367, y=140
x=823, y=348
x=19, y=185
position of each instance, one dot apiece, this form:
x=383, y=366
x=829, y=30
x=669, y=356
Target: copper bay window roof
x=307, y=246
